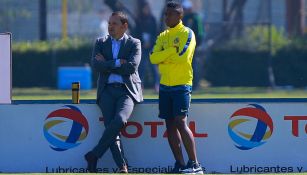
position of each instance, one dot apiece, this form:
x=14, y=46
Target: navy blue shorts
x=174, y=101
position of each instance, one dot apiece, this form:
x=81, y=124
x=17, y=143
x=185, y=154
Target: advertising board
x=230, y=138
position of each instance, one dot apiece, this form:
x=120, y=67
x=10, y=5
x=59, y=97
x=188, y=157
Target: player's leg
x=180, y=110
x=165, y=109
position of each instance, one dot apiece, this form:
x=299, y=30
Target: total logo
x=250, y=127
x=65, y=128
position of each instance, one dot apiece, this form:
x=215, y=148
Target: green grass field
x=204, y=93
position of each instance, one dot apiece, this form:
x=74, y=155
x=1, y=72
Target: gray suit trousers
x=116, y=106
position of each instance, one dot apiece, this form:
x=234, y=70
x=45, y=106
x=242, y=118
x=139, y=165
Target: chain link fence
x=20, y=18
x=85, y=18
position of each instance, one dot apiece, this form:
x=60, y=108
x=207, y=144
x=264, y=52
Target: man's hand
x=100, y=57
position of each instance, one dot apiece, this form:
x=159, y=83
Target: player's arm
x=185, y=51
x=159, y=54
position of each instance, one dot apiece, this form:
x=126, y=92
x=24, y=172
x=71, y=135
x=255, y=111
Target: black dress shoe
x=91, y=162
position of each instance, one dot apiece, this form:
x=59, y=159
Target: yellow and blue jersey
x=175, y=66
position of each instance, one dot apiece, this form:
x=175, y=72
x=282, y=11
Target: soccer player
x=173, y=53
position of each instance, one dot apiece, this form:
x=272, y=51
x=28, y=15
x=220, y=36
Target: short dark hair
x=176, y=6
x=122, y=16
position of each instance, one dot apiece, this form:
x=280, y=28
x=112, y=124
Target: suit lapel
x=109, y=48
x=122, y=47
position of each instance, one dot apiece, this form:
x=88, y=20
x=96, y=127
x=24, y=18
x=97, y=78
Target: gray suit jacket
x=130, y=50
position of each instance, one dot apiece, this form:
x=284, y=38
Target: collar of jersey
x=178, y=26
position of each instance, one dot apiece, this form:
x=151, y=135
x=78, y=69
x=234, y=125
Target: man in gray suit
x=116, y=58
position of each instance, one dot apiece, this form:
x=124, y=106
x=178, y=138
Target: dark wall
x=222, y=68
x=39, y=69
x=245, y=68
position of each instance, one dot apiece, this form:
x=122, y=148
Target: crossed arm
x=172, y=55
x=122, y=66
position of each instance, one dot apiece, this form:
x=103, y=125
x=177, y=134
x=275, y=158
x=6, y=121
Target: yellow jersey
x=175, y=65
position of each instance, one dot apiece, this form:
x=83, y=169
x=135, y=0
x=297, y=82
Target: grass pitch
x=203, y=93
